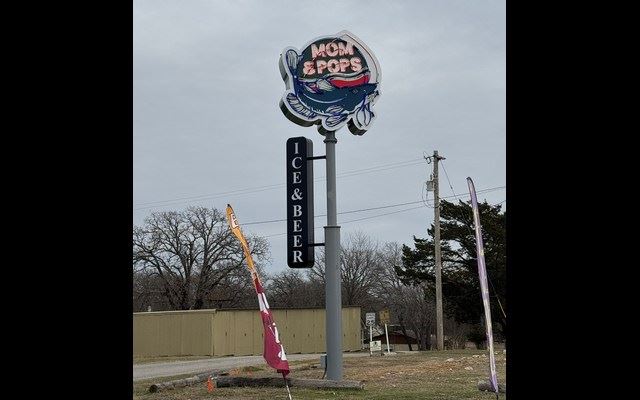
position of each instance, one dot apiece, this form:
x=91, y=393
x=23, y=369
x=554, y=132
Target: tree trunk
x=423, y=342
x=427, y=341
x=406, y=337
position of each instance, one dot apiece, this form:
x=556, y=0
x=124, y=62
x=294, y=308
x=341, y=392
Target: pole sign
x=384, y=317
x=376, y=345
x=300, y=239
x=332, y=82
x=370, y=318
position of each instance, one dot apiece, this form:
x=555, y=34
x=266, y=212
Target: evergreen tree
x=460, y=284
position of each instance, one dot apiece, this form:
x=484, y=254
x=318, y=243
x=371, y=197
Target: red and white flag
x=273, y=352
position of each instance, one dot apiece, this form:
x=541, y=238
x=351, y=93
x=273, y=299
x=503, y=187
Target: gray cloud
x=206, y=117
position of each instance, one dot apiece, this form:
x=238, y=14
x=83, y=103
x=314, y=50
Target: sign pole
x=370, y=339
x=333, y=292
x=356, y=81
x=386, y=333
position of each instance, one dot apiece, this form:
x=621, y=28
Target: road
x=162, y=369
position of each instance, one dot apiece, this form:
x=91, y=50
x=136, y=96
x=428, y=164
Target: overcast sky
x=206, y=121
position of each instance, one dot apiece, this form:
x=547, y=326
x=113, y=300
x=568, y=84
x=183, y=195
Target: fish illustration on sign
x=334, y=81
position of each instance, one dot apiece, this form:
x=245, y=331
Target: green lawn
x=424, y=375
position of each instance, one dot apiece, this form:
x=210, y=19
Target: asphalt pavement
x=171, y=368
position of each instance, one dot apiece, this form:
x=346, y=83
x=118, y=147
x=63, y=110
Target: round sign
x=334, y=81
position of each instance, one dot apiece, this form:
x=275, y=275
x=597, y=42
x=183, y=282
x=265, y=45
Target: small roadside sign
x=371, y=319
x=384, y=317
x=376, y=345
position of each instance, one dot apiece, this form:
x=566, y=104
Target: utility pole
x=436, y=219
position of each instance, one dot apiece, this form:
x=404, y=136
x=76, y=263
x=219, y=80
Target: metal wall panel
x=236, y=332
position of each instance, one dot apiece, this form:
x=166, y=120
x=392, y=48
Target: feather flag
x=484, y=288
x=273, y=352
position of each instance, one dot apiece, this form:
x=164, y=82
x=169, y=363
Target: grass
x=406, y=376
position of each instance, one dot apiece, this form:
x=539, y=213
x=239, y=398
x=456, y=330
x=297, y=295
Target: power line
x=381, y=215
x=179, y=200
x=206, y=196
x=365, y=209
x=447, y=176
x=344, y=212
x=425, y=189
x=472, y=234
x=354, y=220
x=372, y=208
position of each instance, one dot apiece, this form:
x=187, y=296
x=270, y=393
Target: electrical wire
x=424, y=190
x=362, y=210
x=353, y=220
x=255, y=189
x=473, y=234
x=372, y=208
x=380, y=215
x=340, y=213
x=447, y=176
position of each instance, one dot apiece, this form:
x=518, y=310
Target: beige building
x=236, y=332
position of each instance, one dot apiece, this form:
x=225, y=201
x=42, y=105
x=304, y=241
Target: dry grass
x=400, y=377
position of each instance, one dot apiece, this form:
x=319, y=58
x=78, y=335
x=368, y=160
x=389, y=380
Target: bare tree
x=411, y=307
x=456, y=334
x=360, y=265
x=192, y=253
x=148, y=292
x=235, y=290
x=421, y=306
x=292, y=289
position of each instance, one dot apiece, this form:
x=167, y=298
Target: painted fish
x=334, y=97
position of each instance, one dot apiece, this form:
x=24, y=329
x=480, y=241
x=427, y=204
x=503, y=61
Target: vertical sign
x=300, y=239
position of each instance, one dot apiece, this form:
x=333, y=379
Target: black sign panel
x=300, y=250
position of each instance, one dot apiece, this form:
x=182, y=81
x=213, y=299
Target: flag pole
x=484, y=288
x=286, y=384
x=273, y=353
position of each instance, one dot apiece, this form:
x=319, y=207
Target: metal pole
x=439, y=323
x=370, y=339
x=333, y=291
x=386, y=333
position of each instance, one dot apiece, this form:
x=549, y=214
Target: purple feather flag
x=482, y=272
